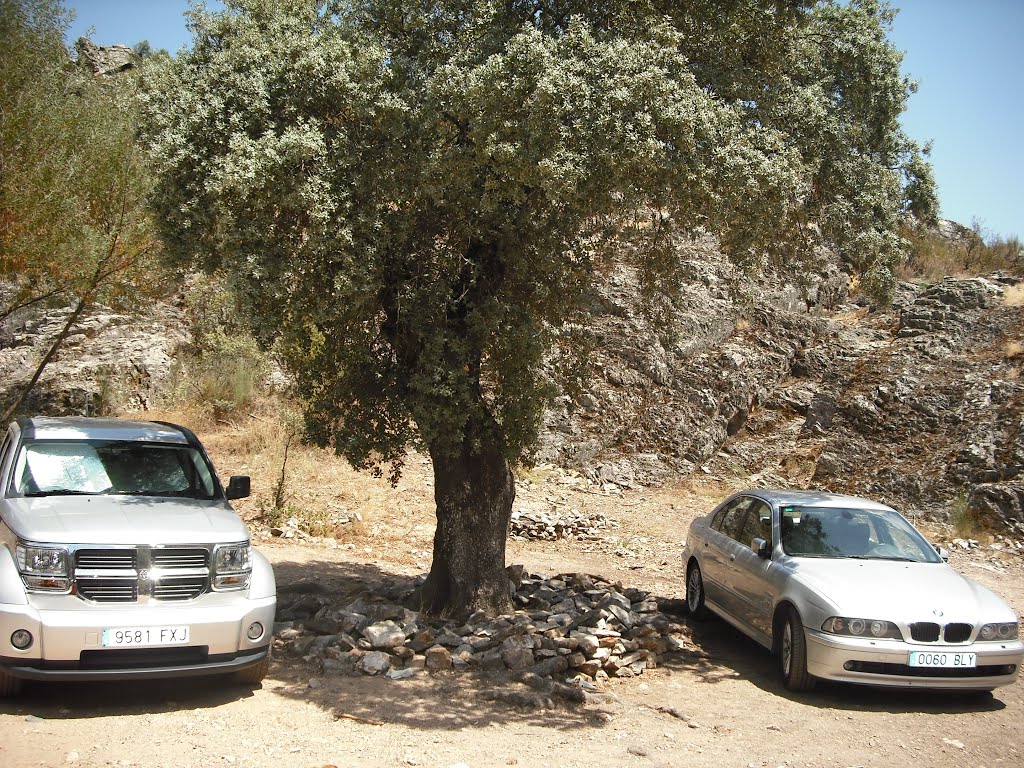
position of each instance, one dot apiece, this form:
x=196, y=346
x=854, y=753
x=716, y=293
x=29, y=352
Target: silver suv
x=120, y=557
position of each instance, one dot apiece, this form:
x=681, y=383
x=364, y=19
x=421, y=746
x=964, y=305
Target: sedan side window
x=758, y=524
x=732, y=525
x=716, y=523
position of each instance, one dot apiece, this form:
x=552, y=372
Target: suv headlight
x=997, y=632
x=878, y=628
x=43, y=568
x=232, y=566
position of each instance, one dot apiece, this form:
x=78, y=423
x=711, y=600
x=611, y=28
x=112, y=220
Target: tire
x=9, y=684
x=254, y=675
x=695, y=592
x=793, y=654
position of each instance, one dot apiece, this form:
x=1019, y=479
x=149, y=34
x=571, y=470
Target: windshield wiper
x=63, y=492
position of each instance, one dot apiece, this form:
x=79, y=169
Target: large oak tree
x=414, y=194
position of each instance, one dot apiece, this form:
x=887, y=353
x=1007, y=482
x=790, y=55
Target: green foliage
x=73, y=219
x=225, y=376
x=413, y=197
x=212, y=312
x=75, y=228
x=224, y=369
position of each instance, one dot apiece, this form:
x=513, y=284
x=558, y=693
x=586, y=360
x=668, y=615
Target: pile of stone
x=570, y=524
x=574, y=627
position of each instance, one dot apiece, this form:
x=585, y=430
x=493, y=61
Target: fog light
x=255, y=631
x=848, y=666
x=21, y=639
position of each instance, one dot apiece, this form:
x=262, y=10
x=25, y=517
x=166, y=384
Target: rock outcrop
x=105, y=60
x=920, y=405
x=109, y=362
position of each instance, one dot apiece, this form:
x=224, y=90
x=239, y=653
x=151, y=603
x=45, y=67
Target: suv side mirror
x=760, y=548
x=942, y=552
x=238, y=487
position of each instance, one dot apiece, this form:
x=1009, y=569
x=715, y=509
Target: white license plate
x=134, y=637
x=942, y=659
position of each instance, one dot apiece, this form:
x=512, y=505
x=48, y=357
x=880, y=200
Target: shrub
x=933, y=254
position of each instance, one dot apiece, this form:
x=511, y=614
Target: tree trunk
x=474, y=490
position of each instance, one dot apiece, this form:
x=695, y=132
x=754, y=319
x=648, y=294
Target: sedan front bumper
x=885, y=662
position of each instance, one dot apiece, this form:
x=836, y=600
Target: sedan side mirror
x=238, y=487
x=760, y=548
x=943, y=553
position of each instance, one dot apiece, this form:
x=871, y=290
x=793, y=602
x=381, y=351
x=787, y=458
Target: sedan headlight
x=842, y=625
x=997, y=632
x=43, y=568
x=232, y=566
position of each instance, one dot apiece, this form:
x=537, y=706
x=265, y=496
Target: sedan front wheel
x=793, y=654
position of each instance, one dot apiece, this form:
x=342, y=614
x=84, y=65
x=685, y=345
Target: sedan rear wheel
x=695, y=592
x=793, y=654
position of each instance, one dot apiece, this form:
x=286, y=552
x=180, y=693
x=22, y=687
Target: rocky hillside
x=919, y=405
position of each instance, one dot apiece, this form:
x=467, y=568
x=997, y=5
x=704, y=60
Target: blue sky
x=965, y=56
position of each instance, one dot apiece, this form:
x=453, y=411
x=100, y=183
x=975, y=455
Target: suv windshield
x=857, y=533
x=96, y=467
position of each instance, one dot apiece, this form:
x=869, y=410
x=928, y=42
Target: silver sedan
x=842, y=588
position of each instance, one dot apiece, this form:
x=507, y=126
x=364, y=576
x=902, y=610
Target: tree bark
x=473, y=490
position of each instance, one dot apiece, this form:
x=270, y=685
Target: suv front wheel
x=9, y=684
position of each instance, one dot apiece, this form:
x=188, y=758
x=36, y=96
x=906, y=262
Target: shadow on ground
x=717, y=652
x=729, y=654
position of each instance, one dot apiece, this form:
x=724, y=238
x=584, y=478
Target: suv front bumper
x=67, y=638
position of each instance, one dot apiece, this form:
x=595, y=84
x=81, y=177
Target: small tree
x=74, y=226
x=414, y=197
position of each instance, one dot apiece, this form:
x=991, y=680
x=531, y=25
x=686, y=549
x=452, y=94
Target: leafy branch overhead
x=414, y=196
x=75, y=228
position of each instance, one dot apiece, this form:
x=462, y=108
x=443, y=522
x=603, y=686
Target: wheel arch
x=782, y=609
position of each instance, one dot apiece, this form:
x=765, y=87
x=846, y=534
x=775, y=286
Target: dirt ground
x=737, y=712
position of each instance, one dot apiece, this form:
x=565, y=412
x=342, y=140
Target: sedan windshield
x=98, y=467
x=852, y=533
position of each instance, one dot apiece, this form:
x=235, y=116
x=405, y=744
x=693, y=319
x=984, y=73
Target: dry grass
x=1013, y=295
x=322, y=492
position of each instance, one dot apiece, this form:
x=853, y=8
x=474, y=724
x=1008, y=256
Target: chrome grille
x=106, y=559
x=180, y=558
x=184, y=588
x=130, y=574
x=109, y=590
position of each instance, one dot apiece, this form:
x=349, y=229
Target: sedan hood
x=908, y=591
x=123, y=520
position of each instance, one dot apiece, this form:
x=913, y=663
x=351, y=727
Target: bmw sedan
x=842, y=588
